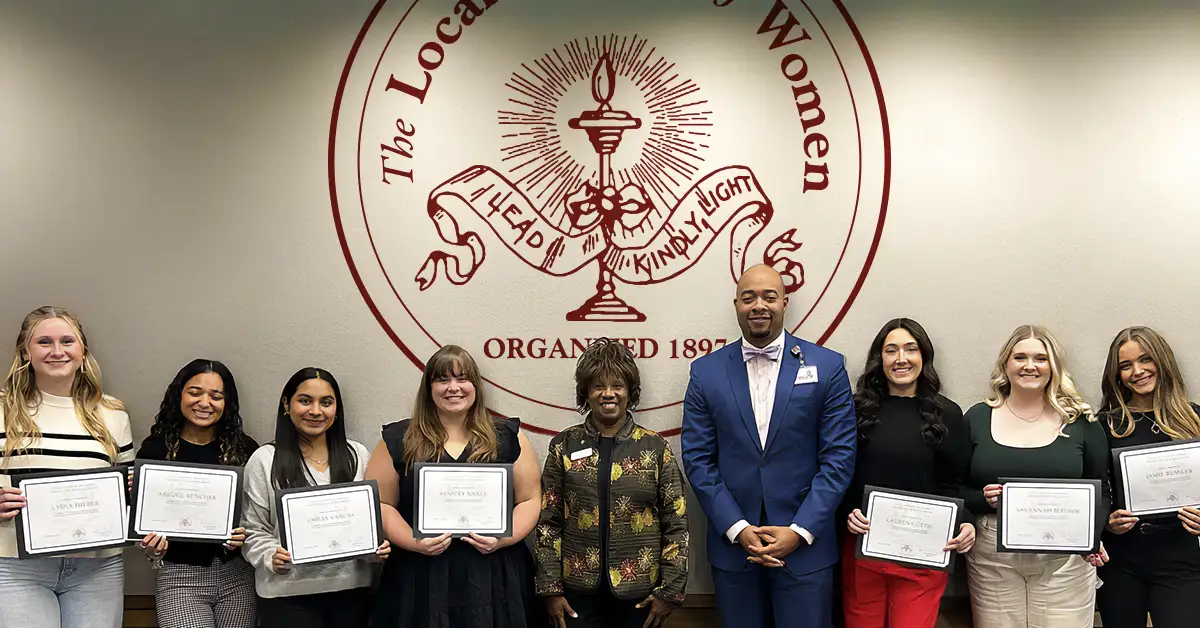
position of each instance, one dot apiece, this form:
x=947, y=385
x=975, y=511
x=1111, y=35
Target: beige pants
x=1028, y=590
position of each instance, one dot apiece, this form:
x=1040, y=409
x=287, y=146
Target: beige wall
x=164, y=173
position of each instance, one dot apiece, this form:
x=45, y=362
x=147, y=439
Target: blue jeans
x=62, y=592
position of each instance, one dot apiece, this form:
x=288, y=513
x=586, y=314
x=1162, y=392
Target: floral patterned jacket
x=648, y=528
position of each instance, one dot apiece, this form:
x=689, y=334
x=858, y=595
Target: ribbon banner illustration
x=636, y=244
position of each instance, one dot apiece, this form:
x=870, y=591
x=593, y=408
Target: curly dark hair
x=606, y=357
x=168, y=423
x=872, y=385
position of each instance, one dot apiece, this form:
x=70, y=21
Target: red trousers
x=878, y=594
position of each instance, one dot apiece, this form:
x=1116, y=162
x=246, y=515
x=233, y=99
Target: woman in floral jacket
x=612, y=539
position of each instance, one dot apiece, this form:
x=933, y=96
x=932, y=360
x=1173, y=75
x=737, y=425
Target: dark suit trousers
x=774, y=597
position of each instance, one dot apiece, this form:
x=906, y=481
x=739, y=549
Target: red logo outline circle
x=886, y=190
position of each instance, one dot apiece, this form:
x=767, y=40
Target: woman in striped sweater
x=55, y=416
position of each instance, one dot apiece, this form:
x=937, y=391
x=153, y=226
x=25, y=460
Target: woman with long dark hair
x=1155, y=563
x=201, y=585
x=310, y=449
x=910, y=438
x=475, y=581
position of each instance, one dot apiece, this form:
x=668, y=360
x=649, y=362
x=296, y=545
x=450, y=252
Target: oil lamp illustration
x=604, y=204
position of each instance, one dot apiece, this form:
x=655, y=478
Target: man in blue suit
x=768, y=446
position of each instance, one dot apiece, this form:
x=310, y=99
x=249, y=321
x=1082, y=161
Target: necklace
x=1026, y=419
x=313, y=460
x=1154, y=427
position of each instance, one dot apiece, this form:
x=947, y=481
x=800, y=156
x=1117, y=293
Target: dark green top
x=1081, y=454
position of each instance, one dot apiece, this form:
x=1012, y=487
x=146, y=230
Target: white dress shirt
x=763, y=374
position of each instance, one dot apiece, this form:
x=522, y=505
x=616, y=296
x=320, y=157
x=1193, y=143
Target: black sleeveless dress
x=461, y=588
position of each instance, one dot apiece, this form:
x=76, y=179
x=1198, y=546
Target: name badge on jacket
x=806, y=375
x=582, y=453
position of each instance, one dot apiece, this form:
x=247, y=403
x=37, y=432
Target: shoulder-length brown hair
x=425, y=439
x=22, y=397
x=1060, y=393
x=1172, y=410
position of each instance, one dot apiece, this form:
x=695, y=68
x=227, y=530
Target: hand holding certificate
x=1158, y=479
x=1048, y=516
x=461, y=499
x=194, y=502
x=909, y=528
x=72, y=511
x=329, y=523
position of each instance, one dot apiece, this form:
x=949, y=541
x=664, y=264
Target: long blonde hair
x=21, y=397
x=1060, y=392
x=425, y=439
x=1172, y=411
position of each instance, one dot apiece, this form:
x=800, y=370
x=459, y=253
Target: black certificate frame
x=314, y=492
x=1097, y=517
x=22, y=518
x=136, y=500
x=422, y=468
x=1120, y=498
x=959, y=517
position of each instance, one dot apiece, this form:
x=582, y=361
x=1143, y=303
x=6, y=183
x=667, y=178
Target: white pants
x=1011, y=590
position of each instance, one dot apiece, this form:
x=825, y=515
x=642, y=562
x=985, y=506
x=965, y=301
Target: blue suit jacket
x=801, y=474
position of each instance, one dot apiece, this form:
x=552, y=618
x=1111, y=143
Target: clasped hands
x=768, y=545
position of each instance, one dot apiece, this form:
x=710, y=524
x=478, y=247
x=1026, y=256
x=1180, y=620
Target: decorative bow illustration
x=589, y=206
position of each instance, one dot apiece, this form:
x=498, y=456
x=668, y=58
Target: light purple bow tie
x=770, y=352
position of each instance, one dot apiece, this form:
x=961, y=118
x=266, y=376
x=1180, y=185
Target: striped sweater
x=64, y=445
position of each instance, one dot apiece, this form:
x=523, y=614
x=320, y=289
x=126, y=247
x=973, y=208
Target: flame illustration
x=603, y=81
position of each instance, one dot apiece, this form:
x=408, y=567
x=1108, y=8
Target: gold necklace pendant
x=1035, y=417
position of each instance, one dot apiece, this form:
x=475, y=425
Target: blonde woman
x=474, y=581
x=1155, y=565
x=55, y=416
x=1034, y=424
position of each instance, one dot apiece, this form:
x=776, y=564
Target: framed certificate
x=463, y=498
x=324, y=524
x=68, y=512
x=909, y=528
x=192, y=502
x=1049, y=516
x=1158, y=478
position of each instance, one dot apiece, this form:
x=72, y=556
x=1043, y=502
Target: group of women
x=611, y=530
x=608, y=509
x=1033, y=424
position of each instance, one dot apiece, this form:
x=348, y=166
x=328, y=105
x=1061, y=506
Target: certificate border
x=959, y=510
x=135, y=500
x=421, y=468
x=66, y=475
x=1119, y=454
x=281, y=517
x=1097, y=517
